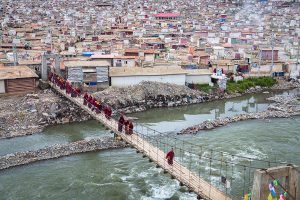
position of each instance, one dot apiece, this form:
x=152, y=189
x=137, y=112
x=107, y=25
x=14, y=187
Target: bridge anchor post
x=262, y=178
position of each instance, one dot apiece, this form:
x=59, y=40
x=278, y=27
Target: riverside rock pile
x=59, y=150
x=28, y=114
x=284, y=106
x=150, y=95
x=284, y=85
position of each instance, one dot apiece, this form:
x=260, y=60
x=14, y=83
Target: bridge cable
x=244, y=181
x=221, y=164
x=226, y=174
x=249, y=182
x=210, y=160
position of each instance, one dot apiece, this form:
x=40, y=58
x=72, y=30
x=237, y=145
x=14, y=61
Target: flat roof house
x=167, y=16
x=17, y=79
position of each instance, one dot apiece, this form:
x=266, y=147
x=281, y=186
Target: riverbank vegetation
x=239, y=86
x=204, y=87
x=243, y=85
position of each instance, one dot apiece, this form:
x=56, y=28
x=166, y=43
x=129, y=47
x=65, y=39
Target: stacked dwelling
x=121, y=43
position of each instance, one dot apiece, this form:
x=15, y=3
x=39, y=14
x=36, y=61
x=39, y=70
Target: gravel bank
x=56, y=151
x=150, y=95
x=284, y=106
x=31, y=113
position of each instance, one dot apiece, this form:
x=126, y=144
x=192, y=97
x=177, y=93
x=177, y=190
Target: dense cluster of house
x=124, y=42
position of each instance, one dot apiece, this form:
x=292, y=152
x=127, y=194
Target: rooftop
x=167, y=15
x=98, y=56
x=139, y=71
x=140, y=50
x=16, y=72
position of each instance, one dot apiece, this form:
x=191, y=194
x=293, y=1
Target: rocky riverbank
x=283, y=107
x=147, y=95
x=57, y=151
x=31, y=113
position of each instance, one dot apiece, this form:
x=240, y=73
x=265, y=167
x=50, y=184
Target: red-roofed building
x=167, y=16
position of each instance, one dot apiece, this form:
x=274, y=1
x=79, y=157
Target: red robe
x=108, y=112
x=130, y=126
x=170, y=157
x=86, y=96
x=78, y=91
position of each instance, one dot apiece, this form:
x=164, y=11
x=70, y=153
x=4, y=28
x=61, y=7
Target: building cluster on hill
x=123, y=42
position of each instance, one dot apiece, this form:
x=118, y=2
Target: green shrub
x=203, y=87
x=242, y=86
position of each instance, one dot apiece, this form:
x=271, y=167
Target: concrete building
x=89, y=73
x=132, y=76
x=167, y=16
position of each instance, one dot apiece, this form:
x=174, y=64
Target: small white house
x=124, y=61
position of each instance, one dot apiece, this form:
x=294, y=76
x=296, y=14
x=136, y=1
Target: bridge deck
x=177, y=170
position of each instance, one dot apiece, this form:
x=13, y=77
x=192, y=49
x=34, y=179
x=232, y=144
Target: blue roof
x=87, y=53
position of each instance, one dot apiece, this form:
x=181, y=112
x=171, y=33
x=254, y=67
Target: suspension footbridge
x=190, y=159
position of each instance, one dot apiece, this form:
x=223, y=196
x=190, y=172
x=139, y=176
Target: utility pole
x=298, y=50
x=272, y=45
x=15, y=55
x=297, y=62
x=259, y=62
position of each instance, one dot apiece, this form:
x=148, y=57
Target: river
x=124, y=174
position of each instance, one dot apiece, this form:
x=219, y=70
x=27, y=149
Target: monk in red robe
x=170, y=157
x=109, y=113
x=90, y=98
x=130, y=127
x=121, y=123
x=85, y=98
x=78, y=92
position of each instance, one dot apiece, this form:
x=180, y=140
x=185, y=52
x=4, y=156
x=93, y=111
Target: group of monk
x=58, y=80
x=127, y=124
x=96, y=105
x=63, y=84
x=92, y=102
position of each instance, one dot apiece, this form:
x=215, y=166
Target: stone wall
x=59, y=150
